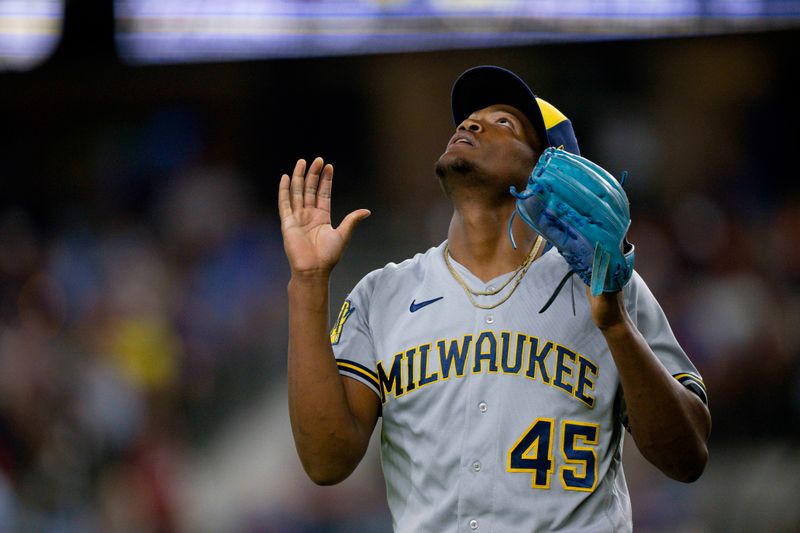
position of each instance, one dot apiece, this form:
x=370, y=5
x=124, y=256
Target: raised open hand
x=312, y=244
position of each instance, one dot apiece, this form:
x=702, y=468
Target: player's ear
x=538, y=145
x=534, y=140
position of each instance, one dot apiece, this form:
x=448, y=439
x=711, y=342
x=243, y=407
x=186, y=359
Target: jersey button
x=490, y=288
x=490, y=319
x=473, y=524
x=482, y=407
x=476, y=466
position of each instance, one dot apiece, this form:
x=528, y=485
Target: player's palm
x=312, y=244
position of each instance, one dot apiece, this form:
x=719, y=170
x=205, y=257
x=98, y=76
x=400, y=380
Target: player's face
x=496, y=145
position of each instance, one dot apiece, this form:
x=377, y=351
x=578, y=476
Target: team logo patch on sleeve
x=345, y=312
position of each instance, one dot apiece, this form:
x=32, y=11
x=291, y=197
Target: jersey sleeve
x=654, y=326
x=351, y=336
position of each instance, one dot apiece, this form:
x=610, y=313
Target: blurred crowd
x=124, y=345
x=134, y=325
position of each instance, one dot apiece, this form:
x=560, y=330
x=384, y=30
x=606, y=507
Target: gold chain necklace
x=517, y=276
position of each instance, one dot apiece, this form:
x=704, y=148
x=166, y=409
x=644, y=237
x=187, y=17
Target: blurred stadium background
x=142, y=278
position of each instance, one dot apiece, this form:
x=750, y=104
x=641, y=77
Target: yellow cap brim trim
x=550, y=114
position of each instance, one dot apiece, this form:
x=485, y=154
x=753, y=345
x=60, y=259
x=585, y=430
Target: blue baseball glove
x=583, y=211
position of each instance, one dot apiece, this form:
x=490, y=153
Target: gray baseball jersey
x=496, y=420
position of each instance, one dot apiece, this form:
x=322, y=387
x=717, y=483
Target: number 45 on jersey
x=533, y=453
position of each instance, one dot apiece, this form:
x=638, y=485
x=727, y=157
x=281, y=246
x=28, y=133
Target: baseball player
x=496, y=417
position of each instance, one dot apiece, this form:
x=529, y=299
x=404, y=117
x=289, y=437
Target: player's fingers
x=312, y=182
x=296, y=186
x=350, y=222
x=284, y=201
x=325, y=188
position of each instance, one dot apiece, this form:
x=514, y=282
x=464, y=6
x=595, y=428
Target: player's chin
x=450, y=164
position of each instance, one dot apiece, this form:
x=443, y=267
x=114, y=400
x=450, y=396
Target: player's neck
x=478, y=239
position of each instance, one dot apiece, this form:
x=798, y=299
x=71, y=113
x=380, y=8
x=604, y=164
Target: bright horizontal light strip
x=29, y=31
x=168, y=30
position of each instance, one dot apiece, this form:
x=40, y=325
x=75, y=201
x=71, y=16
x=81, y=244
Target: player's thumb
x=351, y=221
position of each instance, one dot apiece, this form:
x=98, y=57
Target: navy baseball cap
x=487, y=85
